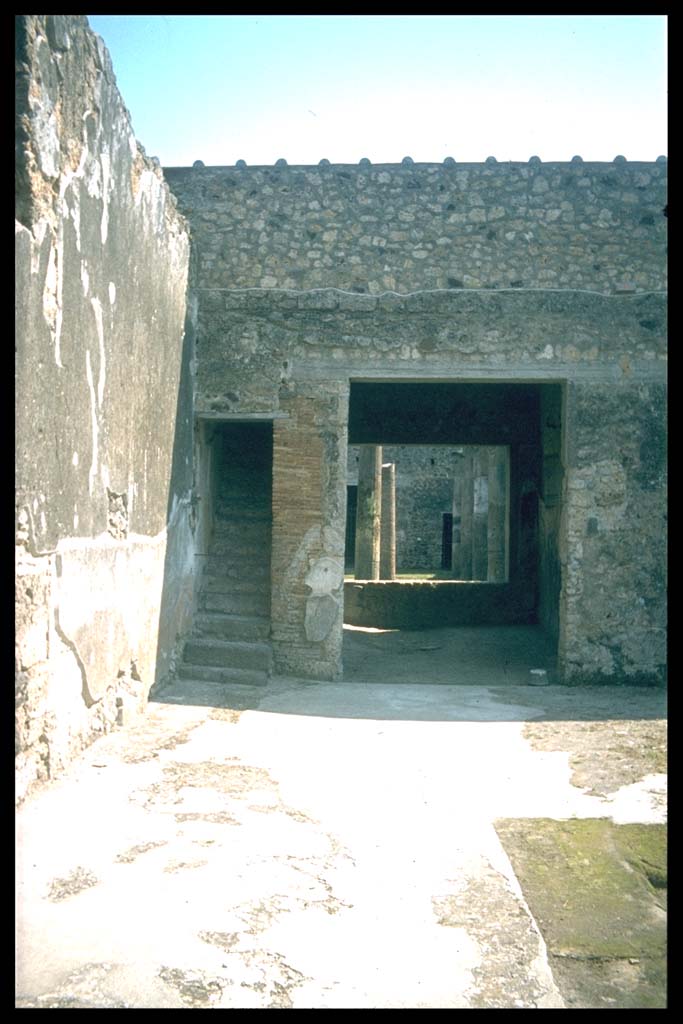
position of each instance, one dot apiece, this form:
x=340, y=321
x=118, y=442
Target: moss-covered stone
x=598, y=893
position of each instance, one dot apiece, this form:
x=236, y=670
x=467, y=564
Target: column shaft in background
x=387, y=558
x=497, y=517
x=369, y=512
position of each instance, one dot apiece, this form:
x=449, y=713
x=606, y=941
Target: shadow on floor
x=441, y=675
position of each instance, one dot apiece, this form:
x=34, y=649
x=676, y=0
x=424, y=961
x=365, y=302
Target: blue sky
x=219, y=88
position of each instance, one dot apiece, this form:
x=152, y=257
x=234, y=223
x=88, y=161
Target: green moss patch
x=598, y=893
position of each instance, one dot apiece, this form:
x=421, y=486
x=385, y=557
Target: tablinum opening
x=510, y=574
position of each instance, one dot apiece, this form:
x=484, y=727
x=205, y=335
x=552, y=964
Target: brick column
x=309, y=512
x=387, y=558
x=369, y=512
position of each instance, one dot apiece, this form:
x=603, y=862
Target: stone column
x=462, y=509
x=480, y=515
x=498, y=518
x=387, y=557
x=369, y=511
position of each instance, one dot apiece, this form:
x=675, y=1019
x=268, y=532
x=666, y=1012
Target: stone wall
x=420, y=604
x=412, y=227
x=254, y=342
x=105, y=339
x=258, y=346
x=552, y=274
x=613, y=545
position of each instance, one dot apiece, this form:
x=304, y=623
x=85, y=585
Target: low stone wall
x=424, y=604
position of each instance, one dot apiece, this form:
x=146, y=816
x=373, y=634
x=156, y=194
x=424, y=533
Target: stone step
x=233, y=567
x=239, y=523
x=232, y=676
x=228, y=654
x=242, y=512
x=245, y=547
x=231, y=627
x=236, y=603
x=241, y=584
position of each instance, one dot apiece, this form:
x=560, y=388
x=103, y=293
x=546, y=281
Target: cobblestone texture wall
x=256, y=345
x=407, y=228
x=613, y=547
x=254, y=342
x=104, y=404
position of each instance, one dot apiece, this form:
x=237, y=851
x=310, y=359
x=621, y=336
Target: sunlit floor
x=311, y=844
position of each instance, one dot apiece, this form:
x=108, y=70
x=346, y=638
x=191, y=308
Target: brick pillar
x=310, y=450
x=462, y=510
x=369, y=512
x=498, y=515
x=387, y=556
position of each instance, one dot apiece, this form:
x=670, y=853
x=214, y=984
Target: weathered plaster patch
x=323, y=605
x=71, y=646
x=117, y=519
x=99, y=616
x=93, y=422
x=45, y=126
x=97, y=310
x=74, y=212
x=52, y=297
x=106, y=176
x=78, y=880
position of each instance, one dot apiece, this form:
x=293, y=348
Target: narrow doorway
x=230, y=641
x=447, y=540
x=239, y=552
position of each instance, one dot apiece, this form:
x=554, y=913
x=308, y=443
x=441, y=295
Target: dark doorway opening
x=447, y=541
x=236, y=578
x=523, y=421
x=350, y=541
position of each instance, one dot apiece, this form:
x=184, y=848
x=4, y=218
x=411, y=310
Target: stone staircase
x=230, y=638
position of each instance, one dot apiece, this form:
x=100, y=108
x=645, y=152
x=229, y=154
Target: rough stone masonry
x=150, y=303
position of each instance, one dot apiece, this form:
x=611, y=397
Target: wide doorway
x=454, y=506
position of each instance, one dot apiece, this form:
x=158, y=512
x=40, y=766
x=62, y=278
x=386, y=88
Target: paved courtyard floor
x=321, y=845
